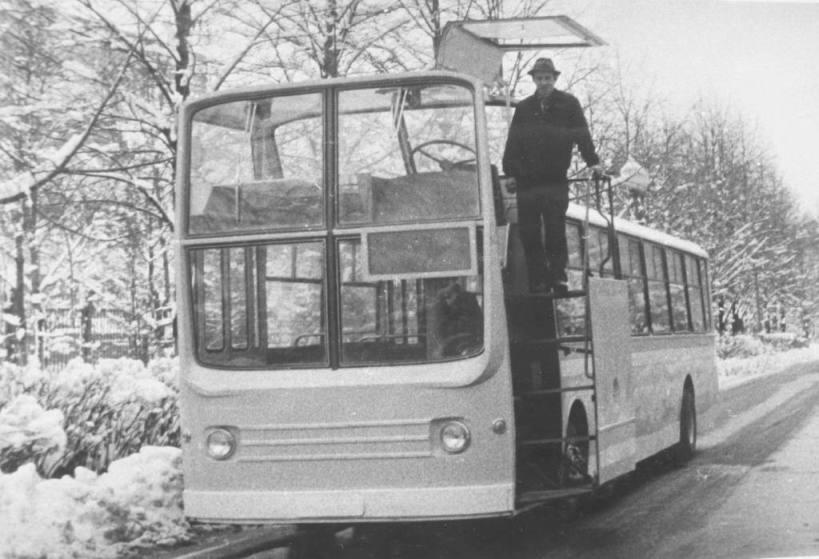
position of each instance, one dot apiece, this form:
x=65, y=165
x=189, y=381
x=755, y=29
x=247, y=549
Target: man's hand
x=598, y=171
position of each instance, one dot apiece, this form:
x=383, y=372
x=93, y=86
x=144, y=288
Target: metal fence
x=90, y=333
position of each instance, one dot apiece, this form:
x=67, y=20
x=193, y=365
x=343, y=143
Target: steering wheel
x=302, y=190
x=445, y=164
x=460, y=344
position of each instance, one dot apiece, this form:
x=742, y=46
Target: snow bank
x=138, y=502
x=738, y=370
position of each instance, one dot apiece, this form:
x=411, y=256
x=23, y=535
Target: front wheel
x=688, y=428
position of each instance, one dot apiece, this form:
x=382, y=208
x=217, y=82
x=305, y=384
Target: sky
x=760, y=58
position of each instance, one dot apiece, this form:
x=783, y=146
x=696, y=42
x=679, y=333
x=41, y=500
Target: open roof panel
x=532, y=33
x=477, y=47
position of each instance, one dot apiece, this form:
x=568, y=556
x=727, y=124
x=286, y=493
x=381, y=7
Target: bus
x=356, y=336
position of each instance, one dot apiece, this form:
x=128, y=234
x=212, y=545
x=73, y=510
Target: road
x=752, y=491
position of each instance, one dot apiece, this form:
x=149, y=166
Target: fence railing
x=93, y=333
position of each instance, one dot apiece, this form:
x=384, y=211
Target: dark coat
x=539, y=147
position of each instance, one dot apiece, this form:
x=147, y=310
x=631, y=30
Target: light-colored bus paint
x=422, y=503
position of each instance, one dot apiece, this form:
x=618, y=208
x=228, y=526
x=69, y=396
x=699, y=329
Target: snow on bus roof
x=577, y=211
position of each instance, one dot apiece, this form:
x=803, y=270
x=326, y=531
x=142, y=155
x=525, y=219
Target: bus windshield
x=368, y=199
x=404, y=155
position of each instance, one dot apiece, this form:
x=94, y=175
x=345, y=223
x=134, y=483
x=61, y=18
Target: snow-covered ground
x=735, y=371
x=137, y=503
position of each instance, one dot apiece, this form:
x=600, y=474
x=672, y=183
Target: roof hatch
x=477, y=47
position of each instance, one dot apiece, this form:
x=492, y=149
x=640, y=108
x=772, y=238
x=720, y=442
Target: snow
x=137, y=503
x=739, y=370
x=25, y=427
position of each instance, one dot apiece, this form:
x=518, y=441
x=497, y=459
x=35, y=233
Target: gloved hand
x=598, y=171
x=510, y=184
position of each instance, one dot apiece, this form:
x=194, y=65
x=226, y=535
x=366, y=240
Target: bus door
x=614, y=403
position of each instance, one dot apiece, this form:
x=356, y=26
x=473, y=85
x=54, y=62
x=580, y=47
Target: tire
x=574, y=464
x=687, y=445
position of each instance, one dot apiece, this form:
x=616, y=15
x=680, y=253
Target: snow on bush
x=136, y=503
x=27, y=432
x=739, y=346
x=110, y=409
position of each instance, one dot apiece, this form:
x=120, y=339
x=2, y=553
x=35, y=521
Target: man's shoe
x=540, y=288
x=560, y=288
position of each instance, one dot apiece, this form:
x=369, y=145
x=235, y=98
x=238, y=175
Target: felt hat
x=544, y=65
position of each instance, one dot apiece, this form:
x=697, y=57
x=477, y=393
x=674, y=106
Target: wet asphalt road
x=752, y=491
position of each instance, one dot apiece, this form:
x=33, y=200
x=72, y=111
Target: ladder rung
x=558, y=340
x=567, y=349
x=547, y=391
x=546, y=296
x=546, y=442
x=547, y=494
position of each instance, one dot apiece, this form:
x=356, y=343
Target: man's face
x=545, y=82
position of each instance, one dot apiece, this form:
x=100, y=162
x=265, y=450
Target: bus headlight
x=455, y=437
x=220, y=444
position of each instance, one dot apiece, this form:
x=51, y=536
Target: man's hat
x=544, y=65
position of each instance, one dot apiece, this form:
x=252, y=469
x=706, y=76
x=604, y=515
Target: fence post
x=86, y=314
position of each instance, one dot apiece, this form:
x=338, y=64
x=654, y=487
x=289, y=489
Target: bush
x=782, y=341
x=110, y=411
x=739, y=346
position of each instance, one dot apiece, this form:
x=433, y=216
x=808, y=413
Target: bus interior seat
x=437, y=195
x=278, y=201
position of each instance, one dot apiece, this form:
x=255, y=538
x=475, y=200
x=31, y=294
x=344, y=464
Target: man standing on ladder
x=544, y=130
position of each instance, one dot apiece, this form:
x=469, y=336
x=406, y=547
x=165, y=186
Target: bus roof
x=378, y=98
x=578, y=212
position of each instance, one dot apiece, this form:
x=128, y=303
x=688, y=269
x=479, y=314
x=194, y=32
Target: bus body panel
x=612, y=377
x=661, y=365
x=374, y=445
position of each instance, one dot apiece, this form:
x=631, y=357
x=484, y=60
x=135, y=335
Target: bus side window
x=601, y=263
x=657, y=292
x=633, y=273
x=695, y=292
x=676, y=289
x=575, y=264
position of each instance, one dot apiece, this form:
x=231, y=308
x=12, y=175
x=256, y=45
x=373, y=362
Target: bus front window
x=410, y=157
x=409, y=317
x=260, y=305
x=253, y=168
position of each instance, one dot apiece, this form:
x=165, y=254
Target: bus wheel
x=574, y=465
x=688, y=428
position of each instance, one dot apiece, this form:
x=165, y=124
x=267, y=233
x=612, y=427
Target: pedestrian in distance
x=545, y=128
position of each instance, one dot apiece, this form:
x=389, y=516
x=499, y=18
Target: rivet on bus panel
x=499, y=426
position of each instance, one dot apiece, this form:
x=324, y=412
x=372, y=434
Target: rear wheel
x=688, y=428
x=574, y=466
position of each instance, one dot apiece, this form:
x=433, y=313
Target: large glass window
x=632, y=269
x=600, y=261
x=403, y=250
x=407, y=155
x=260, y=305
x=408, y=318
x=657, y=294
x=257, y=165
x=696, y=293
x=676, y=290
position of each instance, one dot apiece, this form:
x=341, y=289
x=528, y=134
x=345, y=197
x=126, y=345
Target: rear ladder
x=552, y=459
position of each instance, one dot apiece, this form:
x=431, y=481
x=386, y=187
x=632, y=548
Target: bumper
x=429, y=503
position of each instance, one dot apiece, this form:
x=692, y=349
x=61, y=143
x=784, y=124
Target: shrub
x=110, y=410
x=739, y=346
